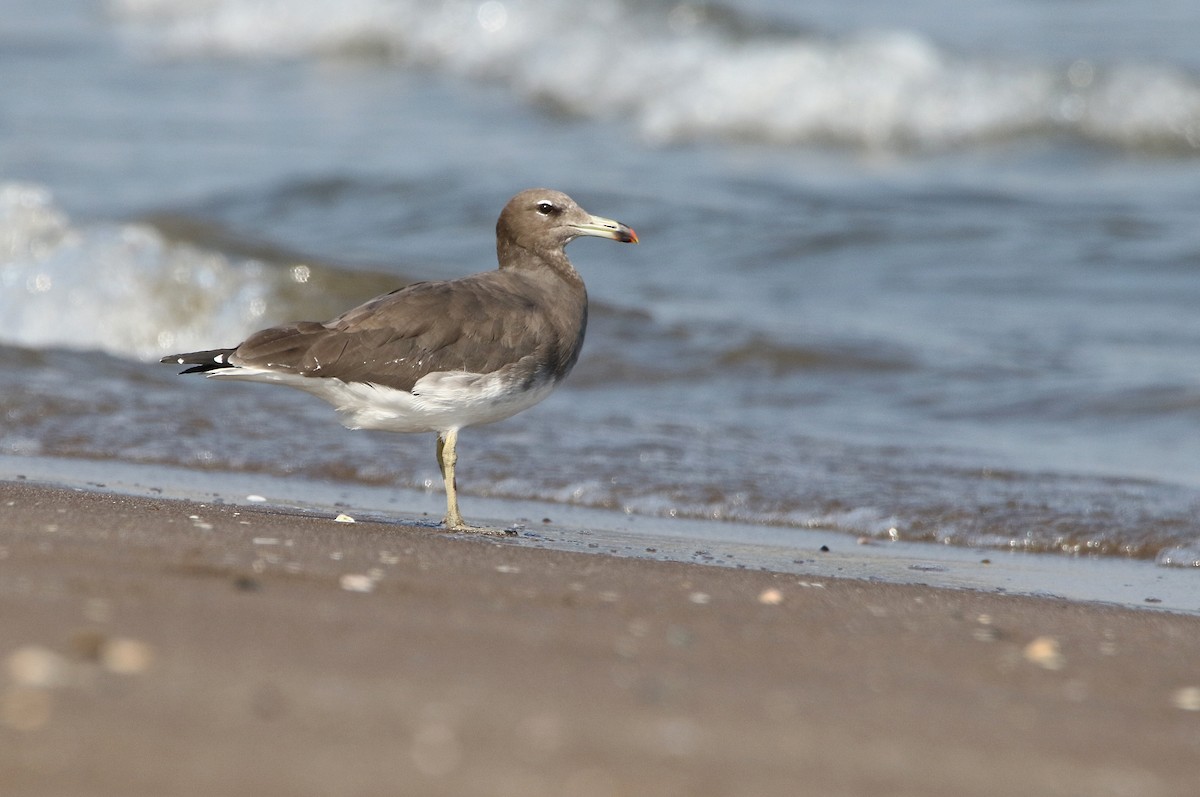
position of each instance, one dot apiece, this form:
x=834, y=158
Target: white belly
x=439, y=402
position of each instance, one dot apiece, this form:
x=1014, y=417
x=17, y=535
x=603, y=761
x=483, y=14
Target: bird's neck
x=512, y=255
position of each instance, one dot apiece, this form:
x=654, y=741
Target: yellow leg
x=447, y=458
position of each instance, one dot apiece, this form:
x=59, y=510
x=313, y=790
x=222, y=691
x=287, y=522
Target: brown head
x=541, y=221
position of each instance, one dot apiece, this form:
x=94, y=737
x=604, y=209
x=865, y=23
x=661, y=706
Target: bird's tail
x=200, y=361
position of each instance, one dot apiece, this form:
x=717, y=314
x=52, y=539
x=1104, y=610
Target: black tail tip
x=200, y=361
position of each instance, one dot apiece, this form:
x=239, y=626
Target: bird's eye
x=546, y=208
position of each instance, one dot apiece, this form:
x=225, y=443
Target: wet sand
x=161, y=647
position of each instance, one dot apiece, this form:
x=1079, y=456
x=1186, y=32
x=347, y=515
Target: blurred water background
x=920, y=271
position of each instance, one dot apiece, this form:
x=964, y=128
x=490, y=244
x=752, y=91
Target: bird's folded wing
x=478, y=325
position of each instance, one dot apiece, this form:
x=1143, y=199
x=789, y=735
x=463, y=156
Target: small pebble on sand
x=700, y=598
x=770, y=597
x=1186, y=698
x=125, y=656
x=343, y=518
x=985, y=633
x=357, y=582
x=37, y=666
x=1045, y=652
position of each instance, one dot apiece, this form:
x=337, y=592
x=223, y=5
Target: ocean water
x=923, y=271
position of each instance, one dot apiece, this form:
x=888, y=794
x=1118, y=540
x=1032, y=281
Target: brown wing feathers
x=397, y=338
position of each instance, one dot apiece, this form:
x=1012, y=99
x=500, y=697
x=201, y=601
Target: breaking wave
x=682, y=72
x=129, y=290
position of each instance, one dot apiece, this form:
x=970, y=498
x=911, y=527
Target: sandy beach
x=161, y=647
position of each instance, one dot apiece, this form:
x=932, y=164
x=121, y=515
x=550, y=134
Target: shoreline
x=808, y=553
x=159, y=646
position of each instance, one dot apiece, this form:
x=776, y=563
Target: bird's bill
x=601, y=227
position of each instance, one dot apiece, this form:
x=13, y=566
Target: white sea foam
x=680, y=73
x=119, y=288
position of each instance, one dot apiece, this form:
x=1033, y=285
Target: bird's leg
x=447, y=457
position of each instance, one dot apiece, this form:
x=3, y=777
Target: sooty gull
x=440, y=356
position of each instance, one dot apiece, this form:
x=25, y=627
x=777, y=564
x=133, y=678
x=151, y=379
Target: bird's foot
x=483, y=531
x=459, y=526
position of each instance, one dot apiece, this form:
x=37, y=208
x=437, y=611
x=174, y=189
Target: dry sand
x=154, y=647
